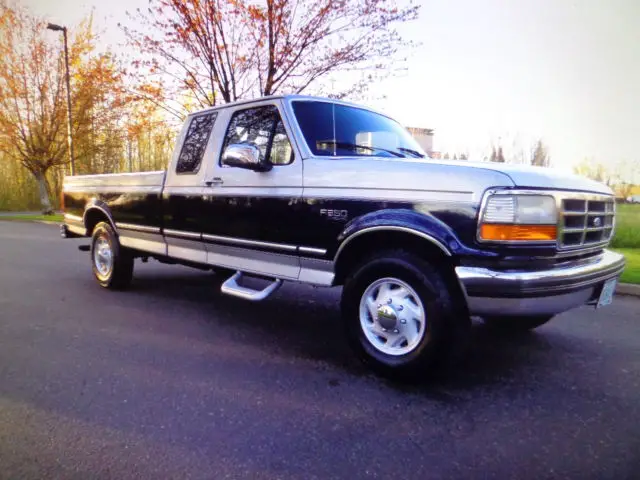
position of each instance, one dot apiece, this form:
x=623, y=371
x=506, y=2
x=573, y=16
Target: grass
x=49, y=218
x=627, y=240
x=627, y=226
x=631, y=272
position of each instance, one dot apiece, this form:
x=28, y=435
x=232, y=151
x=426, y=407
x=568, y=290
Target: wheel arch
x=367, y=241
x=95, y=213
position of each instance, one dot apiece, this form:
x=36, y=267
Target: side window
x=195, y=143
x=262, y=127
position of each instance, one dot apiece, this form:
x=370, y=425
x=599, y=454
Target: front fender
x=421, y=223
x=407, y=220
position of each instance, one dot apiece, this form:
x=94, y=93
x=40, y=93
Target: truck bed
x=115, y=181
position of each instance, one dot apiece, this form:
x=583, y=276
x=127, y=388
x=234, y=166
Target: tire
x=111, y=263
x=375, y=341
x=516, y=324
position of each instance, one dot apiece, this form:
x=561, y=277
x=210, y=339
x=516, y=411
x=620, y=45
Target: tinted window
x=195, y=143
x=262, y=127
x=333, y=129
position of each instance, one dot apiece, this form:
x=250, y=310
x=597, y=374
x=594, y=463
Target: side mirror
x=245, y=155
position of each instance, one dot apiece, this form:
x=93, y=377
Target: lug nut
x=400, y=308
x=396, y=330
x=389, y=301
x=403, y=321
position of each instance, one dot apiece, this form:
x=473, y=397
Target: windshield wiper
x=412, y=152
x=354, y=146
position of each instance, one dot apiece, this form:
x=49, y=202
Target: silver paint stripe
x=182, y=234
x=76, y=229
x=313, y=251
x=316, y=272
x=254, y=243
x=380, y=194
x=426, y=236
x=73, y=218
x=137, y=228
x=114, y=189
x=277, y=265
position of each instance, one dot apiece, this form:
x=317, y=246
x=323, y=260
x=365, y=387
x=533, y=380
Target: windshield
x=331, y=129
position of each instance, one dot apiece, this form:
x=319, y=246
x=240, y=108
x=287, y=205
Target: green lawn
x=627, y=240
x=627, y=226
x=631, y=272
x=49, y=218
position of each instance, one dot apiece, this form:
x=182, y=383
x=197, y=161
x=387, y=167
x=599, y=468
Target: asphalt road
x=174, y=380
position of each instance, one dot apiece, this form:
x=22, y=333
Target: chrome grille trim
x=597, y=213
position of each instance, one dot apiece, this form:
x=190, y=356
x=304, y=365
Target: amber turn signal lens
x=523, y=233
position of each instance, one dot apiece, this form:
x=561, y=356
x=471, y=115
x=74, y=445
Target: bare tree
x=494, y=154
x=224, y=50
x=540, y=155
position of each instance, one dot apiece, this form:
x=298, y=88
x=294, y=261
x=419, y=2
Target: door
x=183, y=199
x=251, y=216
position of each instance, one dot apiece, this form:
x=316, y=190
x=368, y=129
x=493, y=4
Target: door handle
x=214, y=181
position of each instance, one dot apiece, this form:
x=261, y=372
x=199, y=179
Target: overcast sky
x=566, y=71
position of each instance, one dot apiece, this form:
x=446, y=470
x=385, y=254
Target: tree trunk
x=45, y=201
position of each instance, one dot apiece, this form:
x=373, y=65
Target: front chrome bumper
x=538, y=292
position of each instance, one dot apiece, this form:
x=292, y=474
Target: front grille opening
x=572, y=205
x=586, y=222
x=593, y=237
x=574, y=221
x=572, y=239
x=597, y=206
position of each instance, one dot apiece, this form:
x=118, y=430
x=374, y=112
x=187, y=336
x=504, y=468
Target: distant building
x=424, y=136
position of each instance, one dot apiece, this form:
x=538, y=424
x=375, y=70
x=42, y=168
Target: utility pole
x=59, y=28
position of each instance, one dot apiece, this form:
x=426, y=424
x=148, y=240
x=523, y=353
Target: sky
x=508, y=72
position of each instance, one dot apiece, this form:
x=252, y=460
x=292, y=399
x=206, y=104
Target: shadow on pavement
x=300, y=321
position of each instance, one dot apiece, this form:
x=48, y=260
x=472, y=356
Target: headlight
x=518, y=218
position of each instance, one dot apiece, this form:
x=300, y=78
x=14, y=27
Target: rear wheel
x=398, y=314
x=111, y=263
x=516, y=324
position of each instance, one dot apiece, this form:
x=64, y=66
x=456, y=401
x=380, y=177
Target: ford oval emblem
x=597, y=222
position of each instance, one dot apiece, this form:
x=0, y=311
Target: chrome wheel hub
x=392, y=316
x=103, y=256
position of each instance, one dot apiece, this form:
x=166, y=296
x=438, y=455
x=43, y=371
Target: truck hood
x=412, y=179
x=526, y=176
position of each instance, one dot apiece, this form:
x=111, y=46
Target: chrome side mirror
x=245, y=155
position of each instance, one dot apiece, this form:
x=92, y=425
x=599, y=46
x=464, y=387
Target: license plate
x=606, y=295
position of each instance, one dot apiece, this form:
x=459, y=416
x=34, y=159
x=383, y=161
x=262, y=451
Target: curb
x=628, y=289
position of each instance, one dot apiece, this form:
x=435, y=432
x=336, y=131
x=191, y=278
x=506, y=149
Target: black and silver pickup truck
x=330, y=193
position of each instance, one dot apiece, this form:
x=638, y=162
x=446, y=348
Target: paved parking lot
x=173, y=380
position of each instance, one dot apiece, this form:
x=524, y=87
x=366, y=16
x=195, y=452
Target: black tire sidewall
x=426, y=283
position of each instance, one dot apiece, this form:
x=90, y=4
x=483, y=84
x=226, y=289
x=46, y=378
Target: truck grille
x=586, y=222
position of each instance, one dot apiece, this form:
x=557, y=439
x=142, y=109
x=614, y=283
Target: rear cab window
x=195, y=143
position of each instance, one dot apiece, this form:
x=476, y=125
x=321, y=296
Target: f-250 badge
x=334, y=214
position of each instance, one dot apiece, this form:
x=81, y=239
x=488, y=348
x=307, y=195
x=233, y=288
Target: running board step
x=232, y=287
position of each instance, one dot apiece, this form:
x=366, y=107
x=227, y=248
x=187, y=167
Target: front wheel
x=398, y=314
x=516, y=324
x=111, y=263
